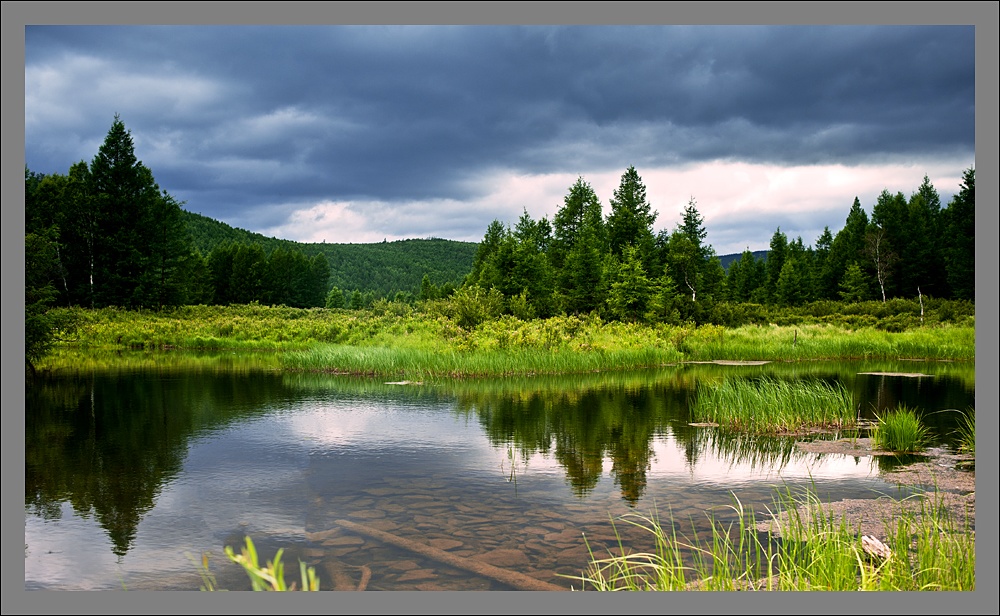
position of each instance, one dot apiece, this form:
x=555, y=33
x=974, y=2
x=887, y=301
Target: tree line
x=583, y=262
x=379, y=270
x=105, y=234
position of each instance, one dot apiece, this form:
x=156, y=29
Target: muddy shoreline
x=949, y=481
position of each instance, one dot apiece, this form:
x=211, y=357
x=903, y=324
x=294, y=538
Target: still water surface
x=131, y=475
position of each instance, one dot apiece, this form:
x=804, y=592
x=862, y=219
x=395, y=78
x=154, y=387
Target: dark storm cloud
x=230, y=117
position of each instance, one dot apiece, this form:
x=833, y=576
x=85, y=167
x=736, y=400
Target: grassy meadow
x=398, y=340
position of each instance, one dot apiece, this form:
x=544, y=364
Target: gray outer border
x=984, y=15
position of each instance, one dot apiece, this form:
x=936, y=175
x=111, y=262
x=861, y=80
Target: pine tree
x=776, y=256
x=959, y=237
x=630, y=288
x=578, y=249
x=580, y=208
x=854, y=286
x=138, y=239
x=890, y=215
x=631, y=221
x=849, y=244
x=335, y=298
x=693, y=226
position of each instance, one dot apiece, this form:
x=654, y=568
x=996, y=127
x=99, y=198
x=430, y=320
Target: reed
x=967, y=432
x=899, y=430
x=806, y=548
x=419, y=363
x=771, y=406
x=262, y=578
x=826, y=341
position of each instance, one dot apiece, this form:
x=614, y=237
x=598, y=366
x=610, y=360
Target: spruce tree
x=959, y=239
x=138, y=238
x=631, y=220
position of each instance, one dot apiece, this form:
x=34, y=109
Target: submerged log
x=342, y=580
x=514, y=579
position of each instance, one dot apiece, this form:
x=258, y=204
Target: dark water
x=131, y=475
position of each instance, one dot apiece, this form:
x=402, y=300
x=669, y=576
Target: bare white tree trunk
x=688, y=283
x=881, y=256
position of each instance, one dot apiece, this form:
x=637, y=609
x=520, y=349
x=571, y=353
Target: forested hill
x=726, y=260
x=384, y=268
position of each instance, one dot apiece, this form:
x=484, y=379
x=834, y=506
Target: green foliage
x=472, y=305
x=854, y=286
x=268, y=577
x=40, y=263
x=630, y=289
x=745, y=276
x=121, y=239
x=899, y=430
x=470, y=322
x=139, y=239
x=515, y=265
x=776, y=256
x=335, y=298
x=580, y=219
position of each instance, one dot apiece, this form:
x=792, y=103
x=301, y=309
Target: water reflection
x=106, y=444
x=221, y=441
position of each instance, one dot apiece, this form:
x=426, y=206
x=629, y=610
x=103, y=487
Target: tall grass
x=967, y=432
x=807, y=548
x=262, y=578
x=826, y=341
x=772, y=406
x=899, y=430
x=420, y=343
x=419, y=363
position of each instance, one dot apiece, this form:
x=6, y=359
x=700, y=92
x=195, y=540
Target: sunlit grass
x=899, y=430
x=416, y=363
x=414, y=343
x=807, y=548
x=967, y=432
x=262, y=578
x=772, y=406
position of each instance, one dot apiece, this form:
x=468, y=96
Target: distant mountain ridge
x=727, y=260
x=383, y=268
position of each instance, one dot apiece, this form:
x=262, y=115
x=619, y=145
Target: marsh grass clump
x=729, y=560
x=806, y=548
x=774, y=406
x=967, y=432
x=899, y=430
x=268, y=577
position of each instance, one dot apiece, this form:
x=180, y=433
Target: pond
x=132, y=473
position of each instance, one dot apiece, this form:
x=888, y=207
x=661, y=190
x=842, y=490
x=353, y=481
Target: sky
x=371, y=133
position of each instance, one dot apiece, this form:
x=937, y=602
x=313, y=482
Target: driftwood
x=517, y=580
x=875, y=548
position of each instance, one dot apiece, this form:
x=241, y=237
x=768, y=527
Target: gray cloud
x=233, y=118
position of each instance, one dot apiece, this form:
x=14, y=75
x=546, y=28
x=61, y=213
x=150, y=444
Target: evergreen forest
x=106, y=235
x=580, y=262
